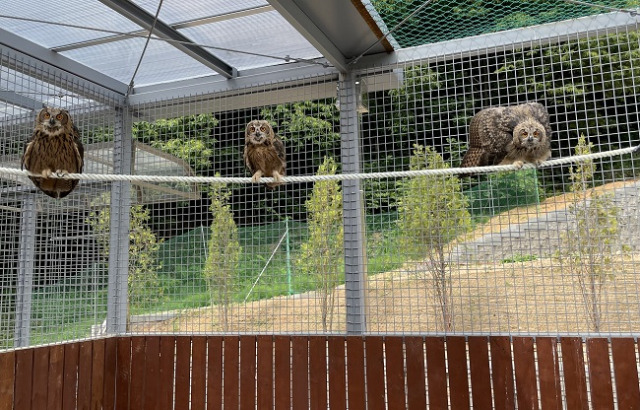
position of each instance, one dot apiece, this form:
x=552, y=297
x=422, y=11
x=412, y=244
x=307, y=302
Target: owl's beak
x=52, y=122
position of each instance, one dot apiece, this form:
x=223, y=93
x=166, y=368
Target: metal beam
x=20, y=100
x=146, y=20
x=310, y=31
x=177, y=26
x=27, y=57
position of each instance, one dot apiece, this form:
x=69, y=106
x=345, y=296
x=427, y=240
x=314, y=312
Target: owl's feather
x=54, y=147
x=495, y=136
x=264, y=153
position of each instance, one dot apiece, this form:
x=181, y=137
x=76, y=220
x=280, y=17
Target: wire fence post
x=117, y=294
x=354, y=266
x=25, y=272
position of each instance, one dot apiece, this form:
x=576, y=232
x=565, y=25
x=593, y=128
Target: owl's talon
x=518, y=164
x=46, y=173
x=277, y=177
x=256, y=177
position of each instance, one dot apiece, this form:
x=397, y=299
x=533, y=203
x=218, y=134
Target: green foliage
x=433, y=212
x=221, y=268
x=503, y=191
x=321, y=256
x=589, y=246
x=519, y=258
x=189, y=138
x=144, y=287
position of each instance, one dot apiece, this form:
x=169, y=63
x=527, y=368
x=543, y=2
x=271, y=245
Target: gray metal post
x=354, y=259
x=26, y=260
x=117, y=294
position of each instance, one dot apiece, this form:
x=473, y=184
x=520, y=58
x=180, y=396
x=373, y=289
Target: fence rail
x=319, y=372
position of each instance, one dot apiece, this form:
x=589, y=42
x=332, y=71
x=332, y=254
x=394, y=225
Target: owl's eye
x=46, y=115
x=263, y=128
x=523, y=133
x=59, y=117
x=252, y=129
x=535, y=133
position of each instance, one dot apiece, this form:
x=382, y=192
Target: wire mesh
x=532, y=251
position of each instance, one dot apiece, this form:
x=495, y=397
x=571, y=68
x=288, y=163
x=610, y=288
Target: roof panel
x=76, y=12
x=161, y=62
x=175, y=11
x=253, y=37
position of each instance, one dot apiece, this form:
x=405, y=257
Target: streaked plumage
x=264, y=153
x=509, y=135
x=54, y=147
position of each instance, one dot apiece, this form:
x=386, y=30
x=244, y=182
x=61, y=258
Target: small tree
x=433, y=212
x=321, y=255
x=588, y=246
x=143, y=282
x=224, y=252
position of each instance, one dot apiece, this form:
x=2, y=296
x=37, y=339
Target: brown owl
x=55, y=146
x=264, y=153
x=509, y=135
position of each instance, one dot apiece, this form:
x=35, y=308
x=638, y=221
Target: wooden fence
x=320, y=372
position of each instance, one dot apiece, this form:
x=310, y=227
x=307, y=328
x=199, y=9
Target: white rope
x=338, y=177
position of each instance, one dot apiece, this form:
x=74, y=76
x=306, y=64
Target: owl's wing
x=79, y=148
x=26, y=155
x=279, y=147
x=247, y=158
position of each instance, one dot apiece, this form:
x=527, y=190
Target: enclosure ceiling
x=105, y=41
x=219, y=45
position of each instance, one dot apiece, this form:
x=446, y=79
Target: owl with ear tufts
x=515, y=135
x=54, y=147
x=264, y=153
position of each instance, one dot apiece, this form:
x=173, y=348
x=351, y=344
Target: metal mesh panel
x=532, y=251
x=420, y=22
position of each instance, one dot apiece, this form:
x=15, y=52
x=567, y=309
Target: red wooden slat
x=318, y=372
x=7, y=370
x=480, y=376
x=123, y=372
x=282, y=371
x=549, y=373
x=416, y=386
x=56, y=377
x=231, y=372
x=458, y=377
x=300, y=372
x=525, y=370
x=167, y=360
x=247, y=372
x=624, y=366
x=183, y=364
x=97, y=375
x=355, y=372
x=214, y=373
x=374, y=372
x=85, y=367
x=40, y=378
x=23, y=387
x=265, y=372
x=436, y=372
x=394, y=359
x=151, y=372
x=69, y=387
x=138, y=363
x=198, y=372
x=109, y=391
x=337, y=373
x=600, y=373
x=502, y=372
x=575, y=379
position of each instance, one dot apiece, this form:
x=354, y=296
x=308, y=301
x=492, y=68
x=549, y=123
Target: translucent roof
x=104, y=38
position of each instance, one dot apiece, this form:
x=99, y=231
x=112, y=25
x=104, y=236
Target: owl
x=264, y=153
x=509, y=135
x=54, y=147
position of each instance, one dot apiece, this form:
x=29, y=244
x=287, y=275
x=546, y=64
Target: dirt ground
x=537, y=296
